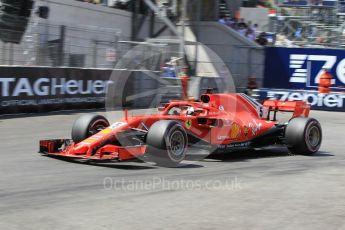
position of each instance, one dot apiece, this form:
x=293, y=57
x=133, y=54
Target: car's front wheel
x=88, y=125
x=166, y=143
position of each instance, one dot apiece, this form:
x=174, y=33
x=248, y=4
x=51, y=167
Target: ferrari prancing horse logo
x=188, y=124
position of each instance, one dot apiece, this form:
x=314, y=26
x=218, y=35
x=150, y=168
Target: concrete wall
x=75, y=13
x=243, y=57
x=90, y=31
x=256, y=15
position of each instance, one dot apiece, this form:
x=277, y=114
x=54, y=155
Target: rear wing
x=299, y=108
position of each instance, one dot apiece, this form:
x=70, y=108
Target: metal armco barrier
x=42, y=89
x=328, y=102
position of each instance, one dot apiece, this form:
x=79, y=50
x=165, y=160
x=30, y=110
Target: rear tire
x=166, y=143
x=88, y=125
x=303, y=136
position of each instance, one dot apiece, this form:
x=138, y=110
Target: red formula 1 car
x=216, y=122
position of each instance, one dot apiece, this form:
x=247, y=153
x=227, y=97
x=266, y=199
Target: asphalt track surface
x=265, y=189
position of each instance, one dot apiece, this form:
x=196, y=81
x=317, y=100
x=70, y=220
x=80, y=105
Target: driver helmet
x=190, y=111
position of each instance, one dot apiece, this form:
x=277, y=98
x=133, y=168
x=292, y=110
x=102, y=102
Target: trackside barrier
x=293, y=74
x=329, y=102
x=42, y=89
x=301, y=68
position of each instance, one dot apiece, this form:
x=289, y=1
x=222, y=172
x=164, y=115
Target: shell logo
x=235, y=130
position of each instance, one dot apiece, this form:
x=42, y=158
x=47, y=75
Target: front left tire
x=88, y=125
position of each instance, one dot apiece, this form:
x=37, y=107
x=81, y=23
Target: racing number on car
x=188, y=124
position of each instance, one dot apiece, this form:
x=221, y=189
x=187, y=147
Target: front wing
x=65, y=148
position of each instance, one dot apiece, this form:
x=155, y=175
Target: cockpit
x=207, y=105
x=180, y=110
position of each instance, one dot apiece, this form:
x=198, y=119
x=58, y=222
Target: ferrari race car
x=217, y=122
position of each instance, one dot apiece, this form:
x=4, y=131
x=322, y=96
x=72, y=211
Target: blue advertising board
x=294, y=3
x=300, y=68
x=305, y=3
x=331, y=3
x=327, y=102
